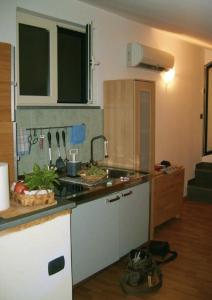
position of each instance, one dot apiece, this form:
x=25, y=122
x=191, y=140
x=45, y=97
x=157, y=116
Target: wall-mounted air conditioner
x=142, y=56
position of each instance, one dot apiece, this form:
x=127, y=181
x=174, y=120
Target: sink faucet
x=105, y=146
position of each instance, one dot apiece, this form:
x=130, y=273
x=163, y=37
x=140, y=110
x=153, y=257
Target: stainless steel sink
x=117, y=173
x=112, y=173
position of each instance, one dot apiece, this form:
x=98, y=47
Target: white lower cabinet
x=94, y=227
x=36, y=262
x=133, y=218
x=107, y=228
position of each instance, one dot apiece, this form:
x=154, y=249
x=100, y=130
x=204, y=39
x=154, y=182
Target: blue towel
x=77, y=134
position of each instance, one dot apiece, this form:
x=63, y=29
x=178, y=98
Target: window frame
x=50, y=24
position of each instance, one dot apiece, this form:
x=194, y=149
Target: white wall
x=208, y=56
x=8, y=21
x=178, y=106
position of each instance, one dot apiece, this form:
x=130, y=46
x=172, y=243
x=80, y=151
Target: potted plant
x=37, y=187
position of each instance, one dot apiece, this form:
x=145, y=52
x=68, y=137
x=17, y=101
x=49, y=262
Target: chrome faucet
x=105, y=146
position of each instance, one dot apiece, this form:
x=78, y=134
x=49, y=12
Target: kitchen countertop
x=28, y=216
x=104, y=189
x=90, y=194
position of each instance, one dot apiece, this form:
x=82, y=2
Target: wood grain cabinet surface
x=5, y=82
x=7, y=129
x=129, y=109
x=167, y=195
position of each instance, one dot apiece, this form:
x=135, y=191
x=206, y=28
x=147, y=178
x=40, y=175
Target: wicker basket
x=32, y=200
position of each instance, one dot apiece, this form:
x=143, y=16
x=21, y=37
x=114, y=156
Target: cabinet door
x=5, y=82
x=129, y=122
x=119, y=122
x=133, y=218
x=7, y=133
x=24, y=258
x=94, y=236
x=167, y=196
x=145, y=125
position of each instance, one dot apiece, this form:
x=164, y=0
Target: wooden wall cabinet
x=129, y=114
x=5, y=82
x=167, y=196
x=7, y=129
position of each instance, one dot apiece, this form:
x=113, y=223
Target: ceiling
x=190, y=18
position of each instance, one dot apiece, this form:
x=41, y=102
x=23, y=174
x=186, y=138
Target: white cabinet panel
x=107, y=228
x=133, y=218
x=24, y=258
x=94, y=237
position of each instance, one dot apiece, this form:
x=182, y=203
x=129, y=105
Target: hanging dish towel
x=77, y=134
x=22, y=141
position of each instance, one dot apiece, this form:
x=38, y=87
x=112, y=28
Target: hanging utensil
x=50, y=149
x=64, y=144
x=30, y=141
x=35, y=137
x=60, y=165
x=41, y=140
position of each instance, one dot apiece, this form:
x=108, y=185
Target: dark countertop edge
x=59, y=106
x=25, y=218
x=102, y=192
x=98, y=192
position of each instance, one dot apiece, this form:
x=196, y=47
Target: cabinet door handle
x=113, y=199
x=127, y=193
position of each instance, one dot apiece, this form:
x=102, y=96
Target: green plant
x=41, y=178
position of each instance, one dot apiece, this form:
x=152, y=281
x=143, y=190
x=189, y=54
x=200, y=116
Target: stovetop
x=69, y=190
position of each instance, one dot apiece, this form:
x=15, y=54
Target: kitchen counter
x=9, y=220
x=17, y=215
x=109, y=187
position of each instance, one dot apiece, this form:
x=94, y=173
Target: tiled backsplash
x=53, y=117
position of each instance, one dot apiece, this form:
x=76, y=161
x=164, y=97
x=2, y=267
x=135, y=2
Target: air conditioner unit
x=142, y=56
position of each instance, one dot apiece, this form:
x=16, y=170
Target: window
x=53, y=62
x=72, y=65
x=34, y=55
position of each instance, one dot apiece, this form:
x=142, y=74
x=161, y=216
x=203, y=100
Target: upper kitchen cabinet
x=129, y=123
x=7, y=127
x=7, y=132
x=53, y=61
x=5, y=83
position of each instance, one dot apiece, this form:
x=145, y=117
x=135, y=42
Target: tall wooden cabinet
x=7, y=129
x=5, y=82
x=129, y=126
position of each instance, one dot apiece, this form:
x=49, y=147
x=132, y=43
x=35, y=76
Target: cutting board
x=17, y=209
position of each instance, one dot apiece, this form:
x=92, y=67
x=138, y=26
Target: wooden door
x=129, y=123
x=119, y=122
x=144, y=125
